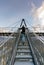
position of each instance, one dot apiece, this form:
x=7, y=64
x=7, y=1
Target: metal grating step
x=23, y=63
x=23, y=51
x=23, y=46
x=23, y=60
x=24, y=57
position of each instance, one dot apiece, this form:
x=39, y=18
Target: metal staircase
x=24, y=54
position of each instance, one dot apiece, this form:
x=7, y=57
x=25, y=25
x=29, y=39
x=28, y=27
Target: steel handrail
x=34, y=56
x=41, y=60
x=14, y=52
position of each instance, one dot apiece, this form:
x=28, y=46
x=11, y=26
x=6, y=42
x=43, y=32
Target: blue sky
x=14, y=10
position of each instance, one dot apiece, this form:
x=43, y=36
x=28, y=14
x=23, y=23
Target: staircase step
x=23, y=46
x=24, y=57
x=23, y=60
x=23, y=51
x=23, y=63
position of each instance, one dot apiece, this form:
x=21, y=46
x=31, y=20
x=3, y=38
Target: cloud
x=38, y=15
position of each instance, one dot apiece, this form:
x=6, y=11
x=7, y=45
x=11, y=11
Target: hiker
x=23, y=30
x=23, y=34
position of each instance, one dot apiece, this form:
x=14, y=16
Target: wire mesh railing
x=38, y=48
x=14, y=51
x=33, y=53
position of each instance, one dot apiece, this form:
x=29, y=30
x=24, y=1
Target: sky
x=12, y=11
